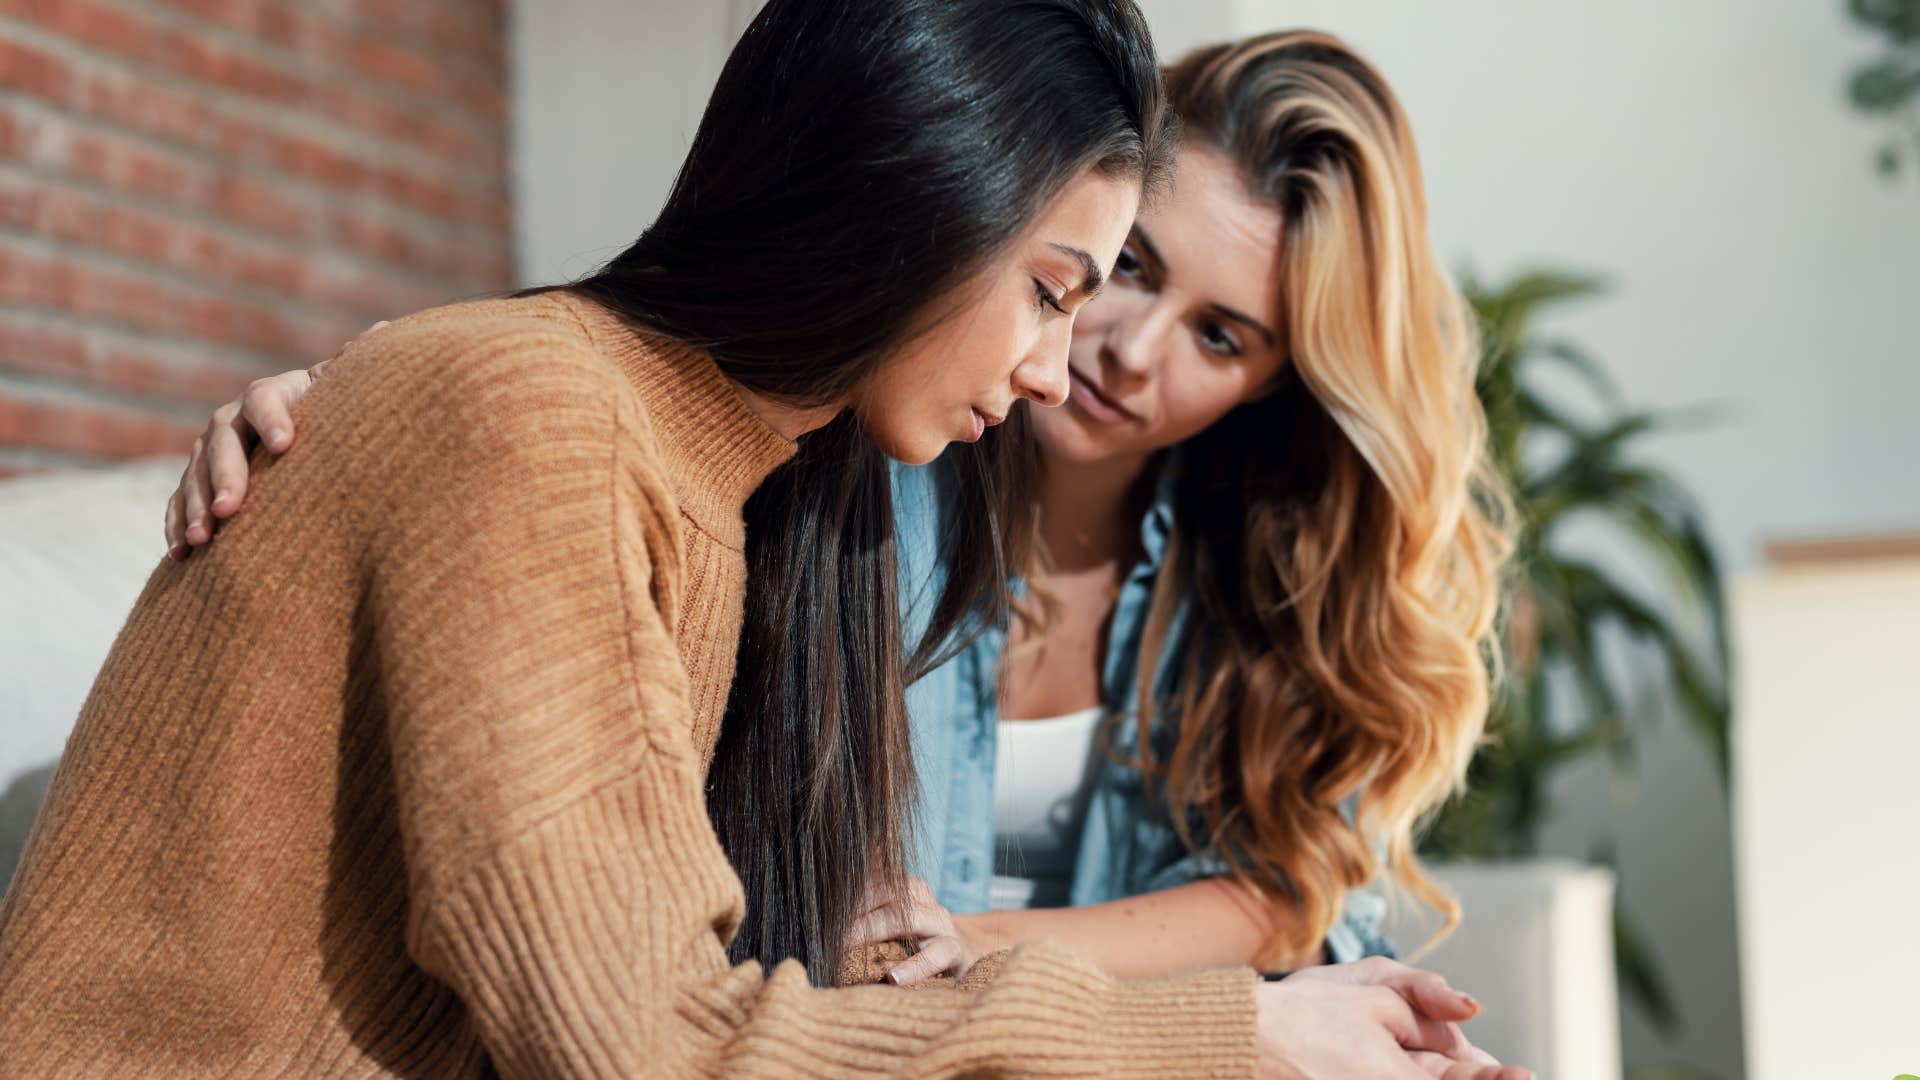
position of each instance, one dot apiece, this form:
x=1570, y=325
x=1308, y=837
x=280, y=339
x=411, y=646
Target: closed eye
x=1047, y=299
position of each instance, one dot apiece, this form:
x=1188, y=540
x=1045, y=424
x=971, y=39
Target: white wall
x=1699, y=152
x=606, y=97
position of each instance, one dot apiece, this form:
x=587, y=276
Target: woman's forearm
x=1206, y=924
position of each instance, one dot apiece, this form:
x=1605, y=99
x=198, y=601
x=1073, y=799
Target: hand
x=215, y=481
x=940, y=947
x=1371, y=1018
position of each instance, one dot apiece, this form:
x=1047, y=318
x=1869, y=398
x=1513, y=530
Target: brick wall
x=197, y=192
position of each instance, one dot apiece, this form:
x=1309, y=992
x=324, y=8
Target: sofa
x=76, y=548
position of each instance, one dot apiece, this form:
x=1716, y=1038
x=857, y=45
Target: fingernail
x=277, y=438
x=222, y=495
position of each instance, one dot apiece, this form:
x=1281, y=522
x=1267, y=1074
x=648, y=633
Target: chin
x=919, y=456
x=902, y=446
x=1062, y=438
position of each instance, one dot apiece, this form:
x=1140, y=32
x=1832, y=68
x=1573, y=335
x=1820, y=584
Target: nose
x=1042, y=377
x=1127, y=347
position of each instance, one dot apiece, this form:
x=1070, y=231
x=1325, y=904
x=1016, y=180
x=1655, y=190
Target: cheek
x=892, y=407
x=896, y=390
x=1196, y=394
x=980, y=348
x=1097, y=314
x=1010, y=337
x=905, y=438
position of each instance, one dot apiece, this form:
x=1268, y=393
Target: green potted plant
x=1570, y=462
x=1888, y=86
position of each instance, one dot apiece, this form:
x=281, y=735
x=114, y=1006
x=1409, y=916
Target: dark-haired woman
x=455, y=786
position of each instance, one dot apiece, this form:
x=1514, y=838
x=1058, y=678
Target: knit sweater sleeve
x=563, y=879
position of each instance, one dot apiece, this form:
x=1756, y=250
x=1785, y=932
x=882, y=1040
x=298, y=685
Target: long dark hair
x=860, y=160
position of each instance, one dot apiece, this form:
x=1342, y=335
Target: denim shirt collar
x=1120, y=667
x=1156, y=528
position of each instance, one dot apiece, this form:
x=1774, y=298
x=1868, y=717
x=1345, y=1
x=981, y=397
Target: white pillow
x=76, y=548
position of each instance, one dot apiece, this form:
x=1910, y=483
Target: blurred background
x=1693, y=229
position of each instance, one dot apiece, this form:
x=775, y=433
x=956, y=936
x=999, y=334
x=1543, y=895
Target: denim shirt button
x=966, y=868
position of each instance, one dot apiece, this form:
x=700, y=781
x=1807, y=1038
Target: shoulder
x=496, y=363
x=504, y=404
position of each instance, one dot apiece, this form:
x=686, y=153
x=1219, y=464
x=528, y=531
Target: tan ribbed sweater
x=403, y=775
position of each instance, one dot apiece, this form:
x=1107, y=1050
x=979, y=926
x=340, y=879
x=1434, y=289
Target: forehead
x=1215, y=235
x=1091, y=210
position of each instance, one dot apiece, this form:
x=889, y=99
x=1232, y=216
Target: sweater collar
x=717, y=447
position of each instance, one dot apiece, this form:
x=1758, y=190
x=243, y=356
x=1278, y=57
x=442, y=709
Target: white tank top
x=1041, y=777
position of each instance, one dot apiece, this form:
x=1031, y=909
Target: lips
x=1092, y=401
x=981, y=420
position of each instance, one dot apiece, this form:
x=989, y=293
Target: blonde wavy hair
x=1339, y=543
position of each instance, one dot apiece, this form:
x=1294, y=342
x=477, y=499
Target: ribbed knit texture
x=402, y=776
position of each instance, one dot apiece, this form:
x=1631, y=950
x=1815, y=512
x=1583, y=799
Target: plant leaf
x=1887, y=161
x=1700, y=696
x=1884, y=85
x=1640, y=976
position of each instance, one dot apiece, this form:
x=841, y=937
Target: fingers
x=1424, y=990
x=226, y=459
x=937, y=956
x=176, y=528
x=1429, y=993
x=267, y=407
x=320, y=368
x=1438, y=1065
x=879, y=894
x=215, y=482
x=1436, y=1008
x=199, y=494
x=1460, y=1070
x=1440, y=1037
x=920, y=913
x=885, y=923
x=1413, y=1030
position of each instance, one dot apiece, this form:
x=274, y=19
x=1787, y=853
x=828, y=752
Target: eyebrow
x=1095, y=276
x=1249, y=321
x=1222, y=310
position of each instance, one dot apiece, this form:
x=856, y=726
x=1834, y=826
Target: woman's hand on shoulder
x=1375, y=1017
x=214, y=485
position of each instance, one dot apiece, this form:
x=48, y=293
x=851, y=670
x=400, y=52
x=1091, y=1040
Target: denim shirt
x=1128, y=844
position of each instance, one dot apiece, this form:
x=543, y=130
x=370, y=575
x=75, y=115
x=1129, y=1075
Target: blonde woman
x=1272, y=548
